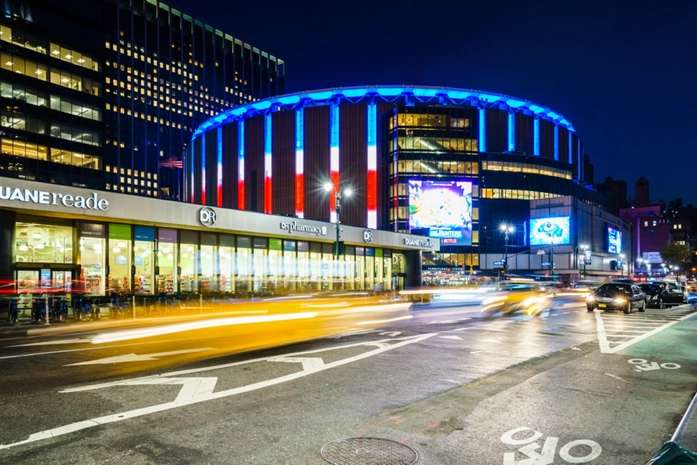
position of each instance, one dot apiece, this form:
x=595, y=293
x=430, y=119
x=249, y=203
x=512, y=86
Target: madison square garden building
x=451, y=164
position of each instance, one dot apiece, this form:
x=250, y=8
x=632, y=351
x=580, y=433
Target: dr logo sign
x=207, y=216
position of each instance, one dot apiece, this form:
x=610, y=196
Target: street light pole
x=337, y=200
x=506, y=228
x=344, y=189
x=584, y=247
x=551, y=258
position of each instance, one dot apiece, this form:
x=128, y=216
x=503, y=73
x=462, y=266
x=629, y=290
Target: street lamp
x=506, y=228
x=584, y=248
x=344, y=189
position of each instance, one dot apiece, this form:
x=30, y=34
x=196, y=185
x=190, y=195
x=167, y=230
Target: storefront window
x=378, y=284
x=92, y=258
x=276, y=281
x=244, y=266
x=360, y=268
x=43, y=243
x=369, y=268
x=167, y=261
x=226, y=255
x=260, y=266
x=315, y=266
x=209, y=269
x=119, y=271
x=350, y=266
x=387, y=270
x=328, y=267
x=290, y=267
x=188, y=255
x=143, y=260
x=303, y=265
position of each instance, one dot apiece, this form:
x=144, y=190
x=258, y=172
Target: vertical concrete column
x=7, y=243
x=413, y=259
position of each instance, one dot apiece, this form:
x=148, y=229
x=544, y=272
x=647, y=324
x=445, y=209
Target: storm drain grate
x=368, y=451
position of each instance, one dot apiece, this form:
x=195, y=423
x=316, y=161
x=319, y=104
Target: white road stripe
x=200, y=391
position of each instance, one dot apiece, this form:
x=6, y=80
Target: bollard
x=47, y=318
x=134, y=307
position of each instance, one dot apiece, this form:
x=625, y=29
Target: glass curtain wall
x=360, y=268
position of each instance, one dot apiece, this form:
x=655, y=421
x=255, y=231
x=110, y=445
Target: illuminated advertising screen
x=442, y=207
x=545, y=231
x=614, y=240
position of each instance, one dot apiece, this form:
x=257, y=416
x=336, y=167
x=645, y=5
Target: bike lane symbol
x=546, y=455
x=645, y=365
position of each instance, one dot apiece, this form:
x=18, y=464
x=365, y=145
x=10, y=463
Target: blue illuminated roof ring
x=468, y=97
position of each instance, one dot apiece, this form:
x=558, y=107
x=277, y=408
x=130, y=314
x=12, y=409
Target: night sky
x=622, y=72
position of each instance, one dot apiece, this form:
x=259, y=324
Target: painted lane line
x=616, y=377
x=458, y=338
x=196, y=390
x=137, y=358
x=51, y=343
x=53, y=352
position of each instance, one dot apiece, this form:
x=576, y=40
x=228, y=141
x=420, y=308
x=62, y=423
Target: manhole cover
x=368, y=451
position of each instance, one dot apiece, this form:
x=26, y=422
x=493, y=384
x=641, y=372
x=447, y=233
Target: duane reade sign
x=54, y=198
x=418, y=242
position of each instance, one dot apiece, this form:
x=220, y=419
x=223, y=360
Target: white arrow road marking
x=309, y=363
x=136, y=357
x=605, y=344
x=478, y=352
x=51, y=343
x=391, y=333
x=201, y=389
x=451, y=337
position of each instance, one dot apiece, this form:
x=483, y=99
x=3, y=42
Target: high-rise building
x=641, y=192
x=106, y=94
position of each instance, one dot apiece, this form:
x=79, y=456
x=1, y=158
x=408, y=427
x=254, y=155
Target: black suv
x=617, y=296
x=659, y=294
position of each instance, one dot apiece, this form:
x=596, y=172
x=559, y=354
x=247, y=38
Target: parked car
x=659, y=294
x=617, y=296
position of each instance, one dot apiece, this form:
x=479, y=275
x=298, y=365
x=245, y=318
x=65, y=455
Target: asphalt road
x=563, y=386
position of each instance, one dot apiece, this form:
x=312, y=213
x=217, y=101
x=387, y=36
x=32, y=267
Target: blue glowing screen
x=545, y=231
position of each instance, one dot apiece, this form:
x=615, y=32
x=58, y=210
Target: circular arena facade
x=449, y=163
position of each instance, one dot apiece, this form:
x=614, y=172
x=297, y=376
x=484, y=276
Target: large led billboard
x=442, y=207
x=614, y=240
x=546, y=231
